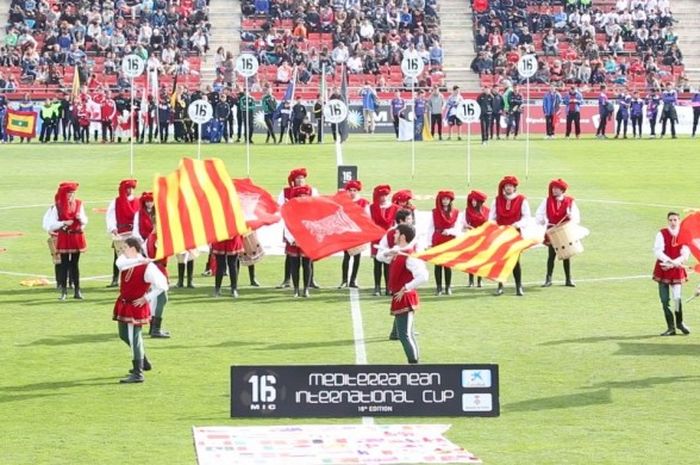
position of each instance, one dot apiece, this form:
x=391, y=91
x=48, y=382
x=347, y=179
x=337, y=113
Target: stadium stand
x=583, y=42
x=46, y=41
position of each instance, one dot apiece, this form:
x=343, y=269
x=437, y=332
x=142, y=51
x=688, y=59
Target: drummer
x=353, y=187
x=120, y=220
x=557, y=209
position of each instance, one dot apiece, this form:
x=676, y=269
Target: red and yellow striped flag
x=489, y=251
x=195, y=206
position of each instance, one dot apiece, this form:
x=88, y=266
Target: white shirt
x=51, y=223
x=524, y=214
x=659, y=246
x=153, y=276
x=111, y=216
x=573, y=213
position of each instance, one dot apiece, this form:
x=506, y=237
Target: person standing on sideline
x=383, y=212
x=603, y=112
x=453, y=103
x=141, y=283
x=318, y=117
x=120, y=219
x=436, y=103
x=498, y=108
x=573, y=101
x=669, y=98
x=269, y=107
x=670, y=274
x=557, y=208
x=353, y=188
x=695, y=103
x=550, y=107
x=636, y=114
x=335, y=95
x=145, y=232
x=298, y=115
x=485, y=101
x=247, y=105
x=515, y=105
x=406, y=274
x=623, y=113
x=510, y=208
x=369, y=107
x=67, y=219
x=285, y=116
x=476, y=214
x=653, y=101
x=419, y=115
x=397, y=106
x=442, y=228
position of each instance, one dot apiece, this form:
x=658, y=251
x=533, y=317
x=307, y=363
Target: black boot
x=499, y=290
x=296, y=292
x=77, y=294
x=306, y=292
x=670, y=331
x=180, y=275
x=377, y=291
x=679, y=319
x=547, y=281
x=136, y=375
x=150, y=327
x=471, y=281
x=251, y=274
x=190, y=274
x=64, y=294
x=567, y=273
x=146, y=365
x=157, y=332
x=478, y=281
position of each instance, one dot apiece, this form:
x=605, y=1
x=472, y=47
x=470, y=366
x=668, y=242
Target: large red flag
x=259, y=208
x=324, y=225
x=690, y=235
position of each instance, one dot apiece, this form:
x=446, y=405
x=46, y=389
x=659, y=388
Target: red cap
x=382, y=189
x=126, y=184
x=404, y=195
x=353, y=184
x=442, y=195
x=512, y=180
x=476, y=195
x=146, y=197
x=295, y=173
x=560, y=183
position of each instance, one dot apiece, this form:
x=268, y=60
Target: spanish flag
x=21, y=123
x=195, y=206
x=489, y=251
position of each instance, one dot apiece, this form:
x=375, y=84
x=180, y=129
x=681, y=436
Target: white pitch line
x=358, y=334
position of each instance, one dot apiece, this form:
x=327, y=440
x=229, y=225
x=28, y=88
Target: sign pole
x=131, y=139
x=469, y=154
x=527, y=127
x=413, y=132
x=247, y=129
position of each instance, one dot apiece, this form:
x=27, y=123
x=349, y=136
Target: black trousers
x=396, y=126
x=270, y=125
x=551, y=256
x=485, y=127
x=380, y=267
x=319, y=130
x=296, y=130
x=495, y=123
x=284, y=127
x=435, y=120
x=163, y=130
x=602, y=125
x=107, y=128
x=45, y=135
x=346, y=267
x=513, y=124
x=439, y=270
x=621, y=121
x=248, y=126
x=549, y=122
x=296, y=262
x=334, y=131
x=665, y=118
x=637, y=124
x=222, y=262
x=573, y=117
x=67, y=128
x=696, y=118
x=69, y=266
x=239, y=129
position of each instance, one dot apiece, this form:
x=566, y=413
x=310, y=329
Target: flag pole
x=131, y=139
x=323, y=99
x=413, y=133
x=199, y=141
x=527, y=126
x=469, y=153
x=156, y=99
x=247, y=129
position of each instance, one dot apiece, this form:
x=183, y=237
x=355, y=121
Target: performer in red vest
x=120, y=219
x=297, y=177
x=141, y=283
x=557, y=208
x=145, y=231
x=510, y=208
x=669, y=272
x=405, y=275
x=443, y=228
x=382, y=211
x=108, y=111
x=353, y=187
x=67, y=219
x=297, y=257
x=226, y=253
x=476, y=214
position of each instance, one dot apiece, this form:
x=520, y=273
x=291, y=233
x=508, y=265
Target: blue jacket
x=573, y=102
x=550, y=103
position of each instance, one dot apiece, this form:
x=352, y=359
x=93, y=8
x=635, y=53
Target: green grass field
x=584, y=378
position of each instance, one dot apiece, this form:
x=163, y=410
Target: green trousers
x=131, y=335
x=404, y=328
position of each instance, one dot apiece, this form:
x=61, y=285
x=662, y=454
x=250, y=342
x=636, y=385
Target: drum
x=56, y=257
x=252, y=250
x=358, y=250
x=566, y=240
